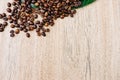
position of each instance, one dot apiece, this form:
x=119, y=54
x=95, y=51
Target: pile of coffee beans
x=22, y=15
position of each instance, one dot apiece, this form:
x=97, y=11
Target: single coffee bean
x=4, y=14
x=47, y=30
x=25, y=30
x=9, y=10
x=12, y=35
x=38, y=33
x=12, y=31
x=5, y=24
x=12, y=26
x=1, y=29
x=1, y=16
x=9, y=4
x=38, y=30
x=14, y=3
x=43, y=34
x=17, y=31
x=5, y=19
x=28, y=35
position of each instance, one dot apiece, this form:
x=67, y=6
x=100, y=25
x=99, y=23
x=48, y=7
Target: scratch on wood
x=88, y=62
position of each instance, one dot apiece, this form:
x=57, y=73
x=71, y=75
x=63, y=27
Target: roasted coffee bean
x=28, y=35
x=9, y=10
x=5, y=19
x=21, y=29
x=12, y=35
x=5, y=24
x=9, y=4
x=4, y=15
x=37, y=22
x=9, y=17
x=12, y=31
x=1, y=16
x=37, y=4
x=31, y=28
x=14, y=3
x=23, y=16
x=47, y=30
x=17, y=31
x=38, y=33
x=25, y=30
x=1, y=29
x=43, y=34
x=12, y=26
x=10, y=21
x=38, y=30
x=35, y=16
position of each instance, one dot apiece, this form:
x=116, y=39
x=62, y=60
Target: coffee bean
x=25, y=30
x=17, y=31
x=9, y=4
x=4, y=14
x=47, y=30
x=11, y=31
x=43, y=34
x=38, y=33
x=38, y=30
x=5, y=24
x=5, y=19
x=37, y=4
x=37, y=22
x=14, y=3
x=1, y=16
x=12, y=35
x=12, y=26
x=35, y=16
x=1, y=29
x=23, y=16
x=28, y=35
x=9, y=10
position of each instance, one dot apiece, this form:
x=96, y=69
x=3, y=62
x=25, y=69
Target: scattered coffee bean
x=4, y=14
x=11, y=31
x=1, y=29
x=12, y=35
x=5, y=24
x=9, y=4
x=28, y=35
x=9, y=10
x=17, y=31
x=23, y=16
x=1, y=16
x=12, y=26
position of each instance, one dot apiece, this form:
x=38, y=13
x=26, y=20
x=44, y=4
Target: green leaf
x=84, y=3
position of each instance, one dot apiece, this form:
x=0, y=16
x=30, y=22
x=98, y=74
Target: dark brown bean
x=9, y=4
x=1, y=29
x=1, y=16
x=11, y=31
x=4, y=14
x=43, y=34
x=12, y=35
x=28, y=35
x=9, y=10
x=12, y=26
x=5, y=24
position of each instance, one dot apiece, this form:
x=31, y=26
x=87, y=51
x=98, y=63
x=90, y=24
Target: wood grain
x=86, y=47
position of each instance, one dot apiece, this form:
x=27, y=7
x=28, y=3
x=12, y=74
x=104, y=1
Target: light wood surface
x=86, y=47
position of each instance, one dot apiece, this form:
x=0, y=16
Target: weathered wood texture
x=86, y=47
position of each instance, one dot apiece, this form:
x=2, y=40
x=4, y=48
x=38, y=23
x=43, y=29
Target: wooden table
x=86, y=47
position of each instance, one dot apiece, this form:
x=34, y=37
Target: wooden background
x=86, y=47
